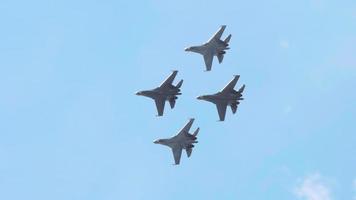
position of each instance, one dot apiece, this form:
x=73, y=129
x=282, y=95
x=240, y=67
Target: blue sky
x=72, y=128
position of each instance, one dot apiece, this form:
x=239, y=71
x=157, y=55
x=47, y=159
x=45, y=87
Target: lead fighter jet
x=183, y=140
x=227, y=96
x=214, y=47
x=165, y=92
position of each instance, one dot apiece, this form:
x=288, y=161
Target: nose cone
x=187, y=49
x=156, y=141
x=200, y=97
x=138, y=93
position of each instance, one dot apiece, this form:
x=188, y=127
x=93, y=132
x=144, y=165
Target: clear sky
x=71, y=127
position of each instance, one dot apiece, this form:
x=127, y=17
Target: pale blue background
x=71, y=127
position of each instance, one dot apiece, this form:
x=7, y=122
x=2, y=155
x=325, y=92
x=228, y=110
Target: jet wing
x=218, y=34
x=230, y=86
x=160, y=105
x=221, y=110
x=177, y=152
x=208, y=58
x=187, y=127
x=169, y=80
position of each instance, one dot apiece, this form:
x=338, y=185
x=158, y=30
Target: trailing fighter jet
x=183, y=140
x=165, y=92
x=214, y=47
x=227, y=96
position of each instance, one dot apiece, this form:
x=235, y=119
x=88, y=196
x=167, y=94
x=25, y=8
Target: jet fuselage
x=215, y=47
x=219, y=97
x=178, y=140
x=159, y=92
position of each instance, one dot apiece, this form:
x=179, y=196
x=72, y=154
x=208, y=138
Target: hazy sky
x=71, y=127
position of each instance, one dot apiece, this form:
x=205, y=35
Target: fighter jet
x=227, y=96
x=165, y=92
x=183, y=140
x=214, y=47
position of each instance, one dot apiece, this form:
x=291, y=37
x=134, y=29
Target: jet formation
x=228, y=96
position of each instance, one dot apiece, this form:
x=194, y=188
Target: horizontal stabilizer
x=227, y=39
x=234, y=108
x=196, y=132
x=189, y=151
x=220, y=57
x=241, y=89
x=179, y=84
x=172, y=102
